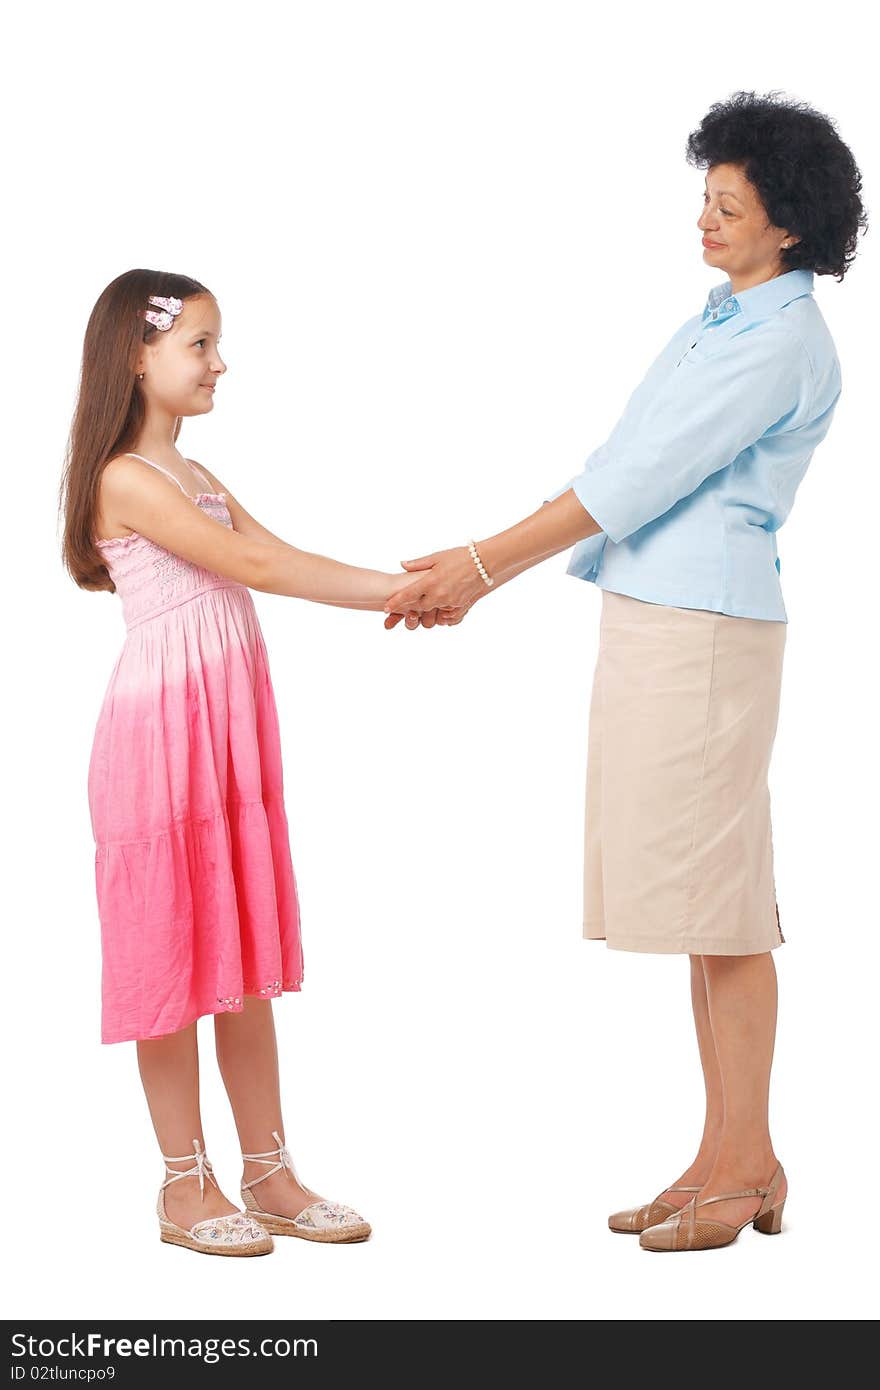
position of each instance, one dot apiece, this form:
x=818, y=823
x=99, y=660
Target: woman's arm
x=451, y=578
x=689, y=419
x=556, y=526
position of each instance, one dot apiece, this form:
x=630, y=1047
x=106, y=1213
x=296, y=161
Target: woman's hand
x=447, y=579
x=450, y=583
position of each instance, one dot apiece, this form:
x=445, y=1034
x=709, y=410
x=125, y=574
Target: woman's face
x=182, y=364
x=738, y=237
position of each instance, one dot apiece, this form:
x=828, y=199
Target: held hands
x=448, y=585
x=439, y=617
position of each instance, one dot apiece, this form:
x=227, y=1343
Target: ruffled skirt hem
x=228, y=1004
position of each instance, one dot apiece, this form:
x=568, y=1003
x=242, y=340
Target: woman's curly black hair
x=805, y=176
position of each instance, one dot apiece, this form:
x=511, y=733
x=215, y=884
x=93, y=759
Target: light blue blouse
x=701, y=469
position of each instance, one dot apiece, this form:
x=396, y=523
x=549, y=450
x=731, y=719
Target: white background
x=446, y=241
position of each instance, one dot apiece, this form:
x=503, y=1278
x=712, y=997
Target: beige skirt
x=678, y=848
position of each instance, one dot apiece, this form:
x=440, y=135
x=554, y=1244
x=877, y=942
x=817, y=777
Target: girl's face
x=182, y=365
x=738, y=237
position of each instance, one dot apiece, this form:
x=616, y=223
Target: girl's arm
x=362, y=589
x=142, y=499
x=303, y=574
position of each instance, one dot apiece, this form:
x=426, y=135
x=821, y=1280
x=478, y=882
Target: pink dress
x=197, y=896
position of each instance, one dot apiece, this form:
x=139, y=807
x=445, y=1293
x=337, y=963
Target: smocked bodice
x=150, y=579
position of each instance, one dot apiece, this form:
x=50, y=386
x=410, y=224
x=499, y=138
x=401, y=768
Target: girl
x=676, y=515
x=196, y=891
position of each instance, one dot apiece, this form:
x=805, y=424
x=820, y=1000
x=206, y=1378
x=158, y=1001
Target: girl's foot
x=285, y=1206
x=281, y=1192
x=185, y=1204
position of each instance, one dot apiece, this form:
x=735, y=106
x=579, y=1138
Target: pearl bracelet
x=479, y=564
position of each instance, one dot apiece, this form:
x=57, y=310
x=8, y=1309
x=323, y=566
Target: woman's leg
x=742, y=996
x=701, y=1167
x=247, y=1054
x=169, y=1069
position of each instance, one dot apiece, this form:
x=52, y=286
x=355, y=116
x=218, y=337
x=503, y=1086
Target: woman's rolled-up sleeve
x=699, y=419
x=559, y=491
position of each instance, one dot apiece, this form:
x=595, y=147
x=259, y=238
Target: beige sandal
x=685, y=1231
x=326, y=1221
x=637, y=1219
x=234, y=1234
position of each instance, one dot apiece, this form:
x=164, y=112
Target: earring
x=140, y=376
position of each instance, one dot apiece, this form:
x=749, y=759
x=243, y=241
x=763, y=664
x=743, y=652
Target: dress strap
x=161, y=470
x=204, y=479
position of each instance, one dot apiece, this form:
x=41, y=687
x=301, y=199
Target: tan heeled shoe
x=234, y=1234
x=321, y=1220
x=637, y=1219
x=685, y=1230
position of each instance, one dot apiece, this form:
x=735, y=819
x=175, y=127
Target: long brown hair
x=110, y=408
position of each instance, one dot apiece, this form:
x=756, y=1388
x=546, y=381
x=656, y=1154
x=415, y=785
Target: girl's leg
x=742, y=996
x=247, y=1054
x=701, y=1167
x=169, y=1069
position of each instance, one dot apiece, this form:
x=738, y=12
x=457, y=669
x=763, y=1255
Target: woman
x=676, y=518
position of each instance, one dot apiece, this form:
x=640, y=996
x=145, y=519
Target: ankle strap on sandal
x=767, y=1194
x=275, y=1165
x=202, y=1168
x=730, y=1196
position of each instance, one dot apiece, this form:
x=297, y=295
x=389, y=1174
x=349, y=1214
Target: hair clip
x=171, y=308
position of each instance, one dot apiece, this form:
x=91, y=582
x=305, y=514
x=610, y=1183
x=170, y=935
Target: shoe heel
x=770, y=1224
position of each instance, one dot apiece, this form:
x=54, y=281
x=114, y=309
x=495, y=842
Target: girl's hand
x=449, y=579
x=441, y=617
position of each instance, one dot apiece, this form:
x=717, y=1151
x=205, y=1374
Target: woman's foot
x=695, y=1176
x=730, y=1179
x=667, y=1203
